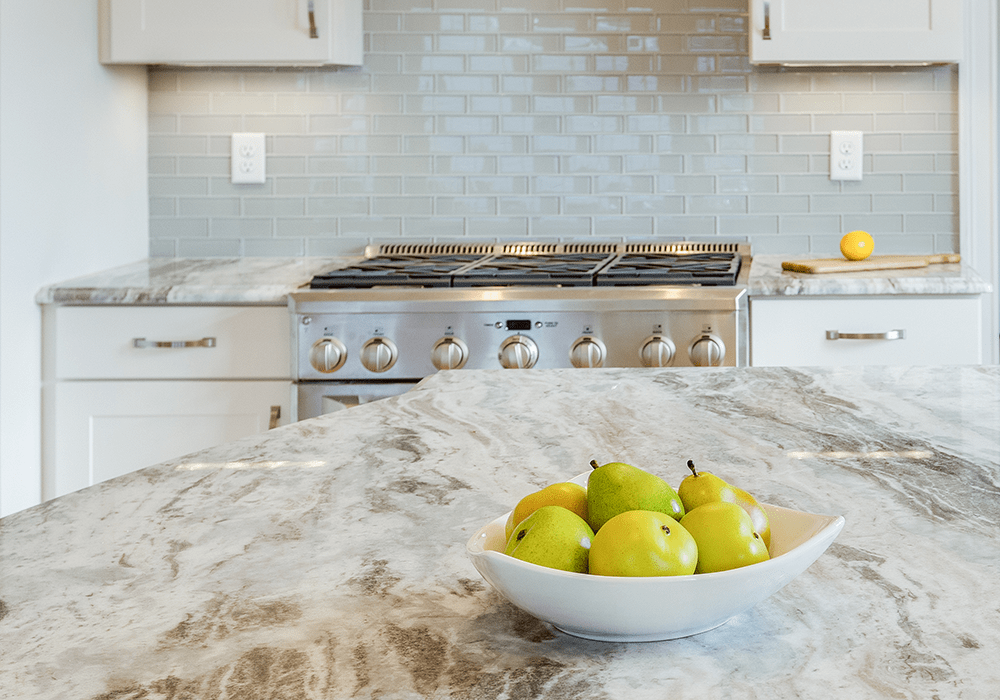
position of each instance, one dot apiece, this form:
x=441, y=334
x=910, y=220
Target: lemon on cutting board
x=856, y=245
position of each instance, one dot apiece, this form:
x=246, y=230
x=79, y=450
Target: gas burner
x=395, y=270
x=565, y=270
x=692, y=268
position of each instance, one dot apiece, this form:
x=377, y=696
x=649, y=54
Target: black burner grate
x=395, y=270
x=634, y=269
x=568, y=270
x=509, y=268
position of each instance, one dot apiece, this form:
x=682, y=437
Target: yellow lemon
x=856, y=245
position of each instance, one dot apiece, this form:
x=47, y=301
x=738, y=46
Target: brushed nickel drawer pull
x=898, y=334
x=767, y=22
x=203, y=343
x=275, y=415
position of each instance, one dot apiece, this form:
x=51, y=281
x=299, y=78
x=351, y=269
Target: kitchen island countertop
x=268, y=281
x=326, y=559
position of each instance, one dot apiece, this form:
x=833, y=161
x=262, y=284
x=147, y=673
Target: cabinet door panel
x=855, y=31
x=232, y=32
x=109, y=428
x=114, y=449
x=793, y=332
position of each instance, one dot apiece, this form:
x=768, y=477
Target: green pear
x=617, y=487
x=699, y=488
x=725, y=537
x=643, y=543
x=552, y=536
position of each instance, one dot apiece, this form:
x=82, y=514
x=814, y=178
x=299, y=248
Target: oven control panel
x=367, y=345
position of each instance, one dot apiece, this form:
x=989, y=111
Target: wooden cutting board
x=875, y=262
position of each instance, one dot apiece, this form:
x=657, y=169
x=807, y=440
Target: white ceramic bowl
x=645, y=609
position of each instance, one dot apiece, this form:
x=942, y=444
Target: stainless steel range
x=378, y=326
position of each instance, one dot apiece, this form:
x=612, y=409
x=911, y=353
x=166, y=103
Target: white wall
x=73, y=196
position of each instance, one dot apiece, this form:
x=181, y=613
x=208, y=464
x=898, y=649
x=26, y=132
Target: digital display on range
x=518, y=325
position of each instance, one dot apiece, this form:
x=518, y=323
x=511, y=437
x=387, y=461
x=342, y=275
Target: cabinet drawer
x=936, y=330
x=99, y=342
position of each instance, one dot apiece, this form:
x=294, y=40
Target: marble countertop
x=326, y=559
x=269, y=281
x=266, y=281
x=767, y=279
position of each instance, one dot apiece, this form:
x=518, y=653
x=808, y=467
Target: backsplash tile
x=504, y=119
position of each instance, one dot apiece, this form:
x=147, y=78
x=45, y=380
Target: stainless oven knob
x=656, y=351
x=707, y=351
x=327, y=355
x=449, y=353
x=378, y=354
x=587, y=351
x=518, y=352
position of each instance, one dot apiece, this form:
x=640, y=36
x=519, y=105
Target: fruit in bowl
x=552, y=536
x=651, y=606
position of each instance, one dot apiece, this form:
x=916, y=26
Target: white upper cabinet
x=858, y=32
x=232, y=32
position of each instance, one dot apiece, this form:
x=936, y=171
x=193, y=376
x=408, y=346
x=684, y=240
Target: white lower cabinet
x=125, y=387
x=822, y=331
x=104, y=429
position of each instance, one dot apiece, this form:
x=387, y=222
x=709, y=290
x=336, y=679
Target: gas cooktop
x=530, y=264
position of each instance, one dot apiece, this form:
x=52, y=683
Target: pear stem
x=691, y=467
x=594, y=464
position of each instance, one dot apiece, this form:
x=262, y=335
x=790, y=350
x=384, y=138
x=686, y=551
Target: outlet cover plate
x=248, y=159
x=846, y=155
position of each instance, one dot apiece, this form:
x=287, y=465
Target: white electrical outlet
x=845, y=155
x=248, y=159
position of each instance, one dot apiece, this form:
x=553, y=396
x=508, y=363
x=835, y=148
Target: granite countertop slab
x=265, y=281
x=270, y=280
x=767, y=279
x=326, y=559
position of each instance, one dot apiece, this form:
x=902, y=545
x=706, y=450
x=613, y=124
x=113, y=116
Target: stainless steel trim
x=414, y=299
x=898, y=334
x=143, y=343
x=570, y=247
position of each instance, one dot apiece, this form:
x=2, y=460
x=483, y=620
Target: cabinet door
x=98, y=430
x=935, y=331
x=817, y=32
x=232, y=32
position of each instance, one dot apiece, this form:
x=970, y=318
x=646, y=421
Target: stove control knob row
x=378, y=354
x=449, y=353
x=707, y=351
x=588, y=351
x=657, y=351
x=518, y=352
x=327, y=355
